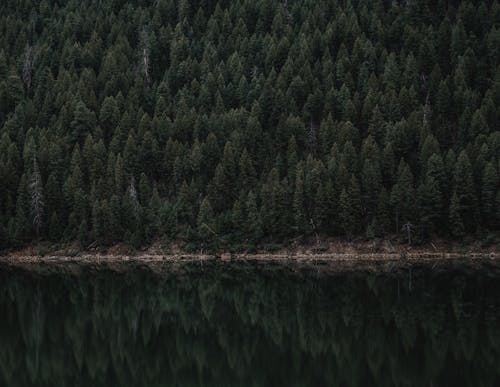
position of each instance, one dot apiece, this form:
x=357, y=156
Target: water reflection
x=237, y=325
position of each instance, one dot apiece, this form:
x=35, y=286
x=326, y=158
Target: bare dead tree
x=132, y=193
x=427, y=107
x=144, y=53
x=28, y=65
x=37, y=204
x=315, y=229
x=427, y=112
x=145, y=63
x=408, y=228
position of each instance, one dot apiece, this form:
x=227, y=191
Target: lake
x=237, y=324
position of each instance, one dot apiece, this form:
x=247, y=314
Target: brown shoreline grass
x=328, y=263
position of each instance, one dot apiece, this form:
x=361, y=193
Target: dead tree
x=144, y=53
x=426, y=114
x=132, y=194
x=28, y=65
x=408, y=228
x=37, y=204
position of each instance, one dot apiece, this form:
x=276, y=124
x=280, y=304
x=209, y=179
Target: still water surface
x=239, y=325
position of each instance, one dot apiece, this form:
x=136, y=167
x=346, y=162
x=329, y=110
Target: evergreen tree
x=205, y=223
x=350, y=207
x=347, y=218
x=403, y=196
x=254, y=226
x=22, y=222
x=457, y=226
x=109, y=117
x=489, y=187
x=14, y=90
x=299, y=200
x=83, y=123
x=463, y=205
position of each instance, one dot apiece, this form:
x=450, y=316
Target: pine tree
x=100, y=222
x=298, y=200
x=169, y=221
x=347, y=219
x=489, y=188
x=455, y=218
x=321, y=208
x=22, y=223
x=429, y=203
x=183, y=10
x=115, y=218
x=55, y=229
x=371, y=183
x=14, y=90
x=83, y=123
x=383, y=219
x=463, y=201
x=350, y=208
x=205, y=223
x=254, y=225
x=403, y=196
x=431, y=196
x=109, y=117
x=498, y=206
x=292, y=159
x=238, y=220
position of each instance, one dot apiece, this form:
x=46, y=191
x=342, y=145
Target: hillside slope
x=248, y=122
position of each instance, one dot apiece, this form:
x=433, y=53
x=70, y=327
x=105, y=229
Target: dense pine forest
x=244, y=123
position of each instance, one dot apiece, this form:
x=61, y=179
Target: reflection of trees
x=234, y=325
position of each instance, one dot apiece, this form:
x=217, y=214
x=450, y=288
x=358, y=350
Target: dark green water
x=238, y=325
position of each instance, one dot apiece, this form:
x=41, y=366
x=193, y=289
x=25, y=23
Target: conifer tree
x=457, y=226
x=463, y=201
x=489, y=187
x=22, y=222
x=253, y=218
x=14, y=90
x=298, y=200
x=109, y=117
x=347, y=218
x=83, y=123
x=402, y=196
x=205, y=223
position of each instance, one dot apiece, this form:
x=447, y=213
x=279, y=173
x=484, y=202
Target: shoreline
x=329, y=263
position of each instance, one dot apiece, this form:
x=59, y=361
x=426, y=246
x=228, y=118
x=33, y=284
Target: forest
x=240, y=124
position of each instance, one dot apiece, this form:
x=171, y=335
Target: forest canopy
x=238, y=123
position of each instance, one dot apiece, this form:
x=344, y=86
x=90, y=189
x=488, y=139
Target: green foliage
x=463, y=206
x=205, y=223
x=288, y=118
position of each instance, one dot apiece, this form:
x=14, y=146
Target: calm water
x=237, y=325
